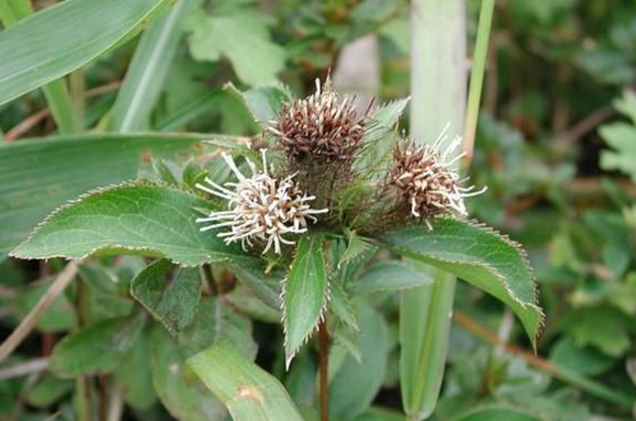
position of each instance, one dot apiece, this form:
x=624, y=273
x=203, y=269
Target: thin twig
x=23, y=369
x=115, y=405
x=323, y=339
x=22, y=331
x=33, y=120
x=594, y=388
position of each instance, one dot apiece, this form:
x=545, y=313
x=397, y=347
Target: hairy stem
x=323, y=339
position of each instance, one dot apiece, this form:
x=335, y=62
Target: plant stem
x=22, y=331
x=563, y=374
x=477, y=77
x=323, y=340
x=208, y=277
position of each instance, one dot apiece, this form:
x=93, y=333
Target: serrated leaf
x=36, y=178
x=248, y=392
x=243, y=38
x=342, y=306
x=305, y=293
x=389, y=276
x=172, y=301
x=481, y=257
x=97, y=348
x=357, y=247
x=62, y=38
x=141, y=218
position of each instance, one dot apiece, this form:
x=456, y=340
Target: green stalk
x=477, y=76
x=56, y=92
x=438, y=90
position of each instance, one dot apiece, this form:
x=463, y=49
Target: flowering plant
x=333, y=186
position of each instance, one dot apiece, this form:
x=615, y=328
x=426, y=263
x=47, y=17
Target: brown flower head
x=323, y=125
x=425, y=180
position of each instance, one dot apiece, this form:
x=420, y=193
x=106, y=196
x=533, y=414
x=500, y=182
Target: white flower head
x=427, y=177
x=260, y=207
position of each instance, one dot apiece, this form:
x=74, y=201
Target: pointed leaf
x=173, y=302
x=248, y=392
x=481, y=257
x=142, y=218
x=304, y=293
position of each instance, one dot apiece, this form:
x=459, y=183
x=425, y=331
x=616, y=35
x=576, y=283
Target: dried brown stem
x=22, y=331
x=33, y=120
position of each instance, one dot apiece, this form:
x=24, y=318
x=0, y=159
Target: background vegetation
x=555, y=143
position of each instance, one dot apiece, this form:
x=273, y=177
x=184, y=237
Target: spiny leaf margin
x=420, y=243
x=211, y=249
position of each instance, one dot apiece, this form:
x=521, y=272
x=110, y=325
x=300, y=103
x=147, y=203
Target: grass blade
x=56, y=93
x=438, y=52
x=64, y=37
x=147, y=72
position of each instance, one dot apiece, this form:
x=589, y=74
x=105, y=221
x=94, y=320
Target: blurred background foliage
x=556, y=144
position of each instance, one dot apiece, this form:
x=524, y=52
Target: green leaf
x=584, y=360
x=621, y=137
x=46, y=45
x=264, y=103
x=248, y=392
x=378, y=140
x=183, y=396
x=242, y=38
x=146, y=219
x=108, y=297
x=388, y=276
x=48, y=391
x=267, y=287
x=216, y=320
x=97, y=348
x=133, y=376
x=173, y=302
x=479, y=256
x=305, y=293
x=147, y=72
x=498, y=414
x=36, y=178
x=355, y=385
x=425, y=320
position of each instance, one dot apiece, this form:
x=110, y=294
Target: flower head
x=425, y=178
x=323, y=125
x=260, y=207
